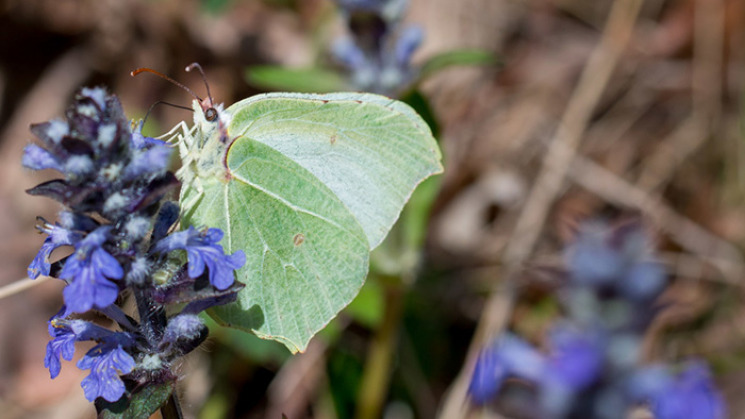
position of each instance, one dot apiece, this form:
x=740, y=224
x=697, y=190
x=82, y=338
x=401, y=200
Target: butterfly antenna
x=163, y=76
x=192, y=66
x=163, y=102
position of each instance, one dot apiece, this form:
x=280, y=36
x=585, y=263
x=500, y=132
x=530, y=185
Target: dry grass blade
x=21, y=285
x=692, y=237
x=559, y=155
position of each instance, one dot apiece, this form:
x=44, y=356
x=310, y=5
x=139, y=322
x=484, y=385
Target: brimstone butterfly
x=306, y=185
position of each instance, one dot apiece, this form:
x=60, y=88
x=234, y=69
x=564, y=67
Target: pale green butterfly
x=306, y=185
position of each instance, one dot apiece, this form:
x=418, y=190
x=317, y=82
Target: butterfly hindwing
x=307, y=186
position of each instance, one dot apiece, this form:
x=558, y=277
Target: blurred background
x=592, y=109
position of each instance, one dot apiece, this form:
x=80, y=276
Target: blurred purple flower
x=575, y=361
x=688, y=394
x=409, y=40
x=349, y=54
x=576, y=357
x=507, y=356
x=621, y=257
x=643, y=280
x=140, y=141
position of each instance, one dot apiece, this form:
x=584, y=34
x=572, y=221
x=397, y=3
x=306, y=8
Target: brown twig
x=592, y=83
x=297, y=382
x=21, y=285
x=708, y=50
x=689, y=235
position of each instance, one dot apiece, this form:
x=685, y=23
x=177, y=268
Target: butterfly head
x=208, y=116
x=211, y=118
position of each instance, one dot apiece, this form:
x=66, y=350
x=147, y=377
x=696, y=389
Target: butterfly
x=306, y=185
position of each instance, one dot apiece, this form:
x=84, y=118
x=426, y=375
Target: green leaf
x=309, y=80
x=141, y=405
x=367, y=308
x=311, y=184
x=461, y=57
x=261, y=351
x=420, y=104
x=215, y=6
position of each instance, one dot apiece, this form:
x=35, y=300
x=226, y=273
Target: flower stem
x=374, y=385
x=152, y=316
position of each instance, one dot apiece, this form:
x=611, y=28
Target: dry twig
x=592, y=83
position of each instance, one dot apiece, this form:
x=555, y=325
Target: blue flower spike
x=576, y=357
x=591, y=367
x=113, y=183
x=687, y=394
x=508, y=356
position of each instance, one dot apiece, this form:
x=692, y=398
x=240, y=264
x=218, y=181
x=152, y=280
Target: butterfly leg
x=173, y=136
x=194, y=191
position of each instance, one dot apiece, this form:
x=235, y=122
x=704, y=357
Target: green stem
x=378, y=364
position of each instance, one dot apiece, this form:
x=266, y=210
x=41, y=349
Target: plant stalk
x=378, y=364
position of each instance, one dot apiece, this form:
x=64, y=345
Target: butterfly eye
x=210, y=114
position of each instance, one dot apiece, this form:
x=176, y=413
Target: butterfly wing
x=314, y=182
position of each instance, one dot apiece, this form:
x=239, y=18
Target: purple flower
x=148, y=161
x=576, y=357
x=106, y=361
x=689, y=394
x=65, y=332
x=58, y=236
x=202, y=250
x=574, y=362
x=38, y=158
x=407, y=43
x=592, y=260
x=350, y=55
x=63, y=345
x=617, y=256
x=643, y=280
x=507, y=356
x=87, y=270
x=488, y=376
x=140, y=141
